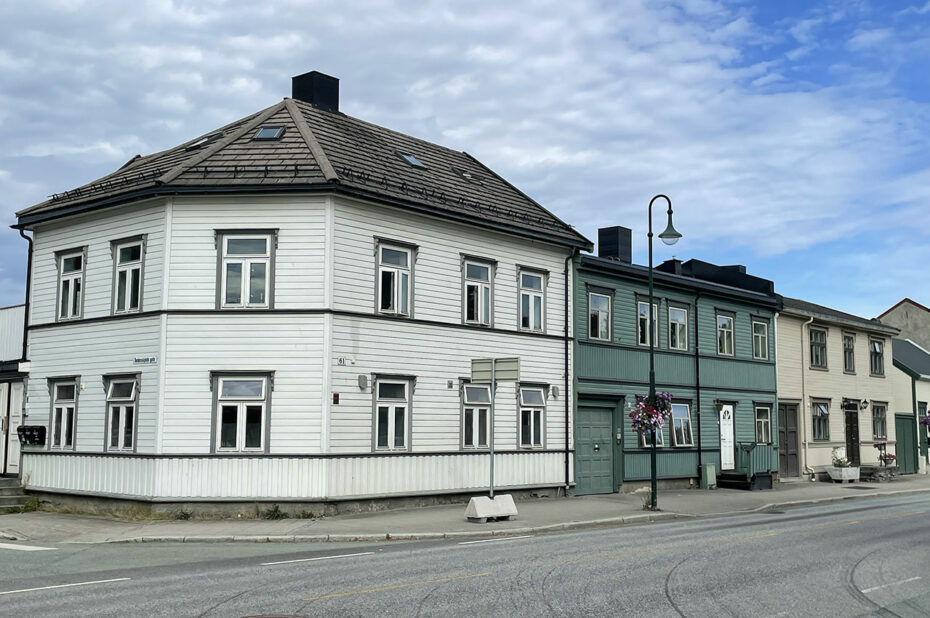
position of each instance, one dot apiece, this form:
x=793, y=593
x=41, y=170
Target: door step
x=12, y=496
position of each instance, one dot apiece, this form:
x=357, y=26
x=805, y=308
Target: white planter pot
x=843, y=474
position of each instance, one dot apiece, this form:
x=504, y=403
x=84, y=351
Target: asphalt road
x=869, y=557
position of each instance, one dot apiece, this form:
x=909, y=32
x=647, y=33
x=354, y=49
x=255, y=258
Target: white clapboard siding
x=438, y=269
x=11, y=332
x=289, y=345
x=300, y=255
x=292, y=478
x=92, y=351
x=436, y=356
x=95, y=231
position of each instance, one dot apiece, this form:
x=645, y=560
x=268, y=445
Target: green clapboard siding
x=671, y=464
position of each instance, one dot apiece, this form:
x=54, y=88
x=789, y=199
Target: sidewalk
x=438, y=522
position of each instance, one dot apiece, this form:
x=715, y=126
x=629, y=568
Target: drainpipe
x=28, y=293
x=697, y=384
x=568, y=398
x=807, y=468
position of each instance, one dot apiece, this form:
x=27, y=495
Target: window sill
x=818, y=368
x=538, y=447
x=391, y=451
x=876, y=375
x=849, y=373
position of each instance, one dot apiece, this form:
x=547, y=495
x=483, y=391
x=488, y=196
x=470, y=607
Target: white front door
x=11, y=413
x=727, y=457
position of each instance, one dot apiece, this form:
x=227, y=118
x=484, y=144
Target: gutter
x=28, y=294
x=807, y=468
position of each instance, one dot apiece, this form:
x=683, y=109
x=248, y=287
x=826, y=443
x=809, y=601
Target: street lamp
x=670, y=236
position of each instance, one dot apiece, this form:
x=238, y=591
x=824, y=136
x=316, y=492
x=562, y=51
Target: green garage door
x=594, y=462
x=906, y=448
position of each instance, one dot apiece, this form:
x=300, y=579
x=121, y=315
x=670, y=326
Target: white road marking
x=903, y=581
x=364, y=553
x=505, y=538
x=99, y=581
x=24, y=547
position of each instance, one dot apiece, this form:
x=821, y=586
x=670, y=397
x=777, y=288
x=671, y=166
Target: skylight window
x=412, y=160
x=269, y=132
x=467, y=175
x=203, y=141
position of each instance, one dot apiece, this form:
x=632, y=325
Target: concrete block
x=482, y=508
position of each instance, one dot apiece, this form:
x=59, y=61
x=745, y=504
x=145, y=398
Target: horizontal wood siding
x=92, y=351
x=11, y=333
x=247, y=478
x=95, y=232
x=299, y=257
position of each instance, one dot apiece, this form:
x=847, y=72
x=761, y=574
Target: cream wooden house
x=835, y=388
x=285, y=309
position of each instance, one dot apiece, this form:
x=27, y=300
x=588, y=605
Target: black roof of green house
x=305, y=143
x=911, y=358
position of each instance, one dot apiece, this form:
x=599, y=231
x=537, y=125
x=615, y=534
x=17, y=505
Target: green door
x=594, y=451
x=906, y=448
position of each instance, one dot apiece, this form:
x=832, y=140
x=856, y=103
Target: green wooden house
x=714, y=329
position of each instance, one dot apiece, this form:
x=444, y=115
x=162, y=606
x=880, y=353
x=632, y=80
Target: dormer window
x=412, y=160
x=269, y=132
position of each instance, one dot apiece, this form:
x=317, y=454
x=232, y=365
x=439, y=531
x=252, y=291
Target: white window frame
x=731, y=350
x=398, y=274
x=604, y=318
x=682, y=333
x=72, y=300
x=477, y=410
x=63, y=413
x=392, y=404
x=536, y=414
x=127, y=270
x=884, y=421
x=245, y=261
x=484, y=294
x=242, y=403
x=763, y=426
x=533, y=296
x=676, y=420
x=760, y=341
x=118, y=408
x=640, y=319
x=645, y=439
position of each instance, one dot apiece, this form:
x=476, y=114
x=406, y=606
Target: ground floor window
x=763, y=425
x=879, y=421
x=681, y=425
x=242, y=413
x=64, y=414
x=121, y=409
x=532, y=417
x=821, y=421
x=392, y=414
x=475, y=416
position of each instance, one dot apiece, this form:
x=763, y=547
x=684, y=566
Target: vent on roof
x=203, y=141
x=317, y=89
x=412, y=160
x=469, y=176
x=269, y=132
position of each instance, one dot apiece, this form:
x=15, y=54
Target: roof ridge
x=220, y=144
x=303, y=127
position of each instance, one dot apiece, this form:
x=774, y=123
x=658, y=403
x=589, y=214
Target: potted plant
x=887, y=459
x=842, y=470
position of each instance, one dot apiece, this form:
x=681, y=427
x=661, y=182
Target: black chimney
x=615, y=242
x=317, y=89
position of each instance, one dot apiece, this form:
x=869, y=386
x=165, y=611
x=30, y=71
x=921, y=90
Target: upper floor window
x=127, y=289
x=477, y=293
x=725, y=335
x=877, y=357
x=476, y=407
x=392, y=414
x=642, y=323
x=122, y=394
x=849, y=353
x=879, y=421
x=677, y=328
x=599, y=316
x=532, y=301
x=818, y=348
x=64, y=414
x=247, y=269
x=394, y=279
x=71, y=284
x=681, y=425
x=763, y=425
x=532, y=413
x=242, y=406
x=821, y=421
x=760, y=340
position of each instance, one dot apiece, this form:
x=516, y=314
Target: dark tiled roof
x=802, y=306
x=911, y=356
x=329, y=150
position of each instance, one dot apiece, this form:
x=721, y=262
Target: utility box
x=31, y=435
x=709, y=476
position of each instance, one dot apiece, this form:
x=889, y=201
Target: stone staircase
x=12, y=496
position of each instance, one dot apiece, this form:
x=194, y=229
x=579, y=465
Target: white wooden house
x=286, y=309
x=12, y=386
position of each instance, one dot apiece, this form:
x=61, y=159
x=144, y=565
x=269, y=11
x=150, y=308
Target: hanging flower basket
x=647, y=417
x=925, y=421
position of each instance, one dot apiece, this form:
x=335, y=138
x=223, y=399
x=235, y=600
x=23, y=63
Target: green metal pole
x=652, y=369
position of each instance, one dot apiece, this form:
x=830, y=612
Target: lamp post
x=670, y=236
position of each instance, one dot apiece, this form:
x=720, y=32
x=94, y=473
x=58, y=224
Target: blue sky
x=793, y=137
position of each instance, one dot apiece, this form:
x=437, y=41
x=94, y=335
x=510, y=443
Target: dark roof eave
x=880, y=328
x=164, y=190
x=594, y=263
